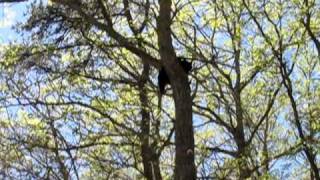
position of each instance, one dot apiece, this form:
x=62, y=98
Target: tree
x=79, y=95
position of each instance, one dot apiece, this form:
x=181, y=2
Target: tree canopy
x=79, y=93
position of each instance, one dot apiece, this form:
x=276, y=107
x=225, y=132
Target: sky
x=10, y=14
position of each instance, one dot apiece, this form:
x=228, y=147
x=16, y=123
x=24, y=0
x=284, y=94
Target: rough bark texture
x=184, y=140
x=150, y=160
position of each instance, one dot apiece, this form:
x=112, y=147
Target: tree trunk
x=244, y=171
x=239, y=130
x=184, y=137
x=150, y=159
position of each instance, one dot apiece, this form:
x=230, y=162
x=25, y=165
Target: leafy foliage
x=79, y=95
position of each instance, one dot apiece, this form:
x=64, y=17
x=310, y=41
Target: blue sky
x=10, y=14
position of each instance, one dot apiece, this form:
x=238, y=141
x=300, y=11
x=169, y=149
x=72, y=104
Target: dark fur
x=163, y=78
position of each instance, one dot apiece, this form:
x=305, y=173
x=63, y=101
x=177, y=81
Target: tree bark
x=184, y=137
x=239, y=130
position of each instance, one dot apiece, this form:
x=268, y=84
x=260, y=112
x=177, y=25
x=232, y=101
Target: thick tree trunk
x=244, y=171
x=150, y=159
x=184, y=137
